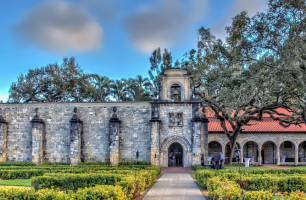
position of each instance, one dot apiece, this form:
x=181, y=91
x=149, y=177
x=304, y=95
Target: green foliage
x=94, y=193
x=45, y=84
x=196, y=167
x=74, y=181
x=94, y=163
x=122, y=163
x=20, y=174
x=17, y=163
x=54, y=164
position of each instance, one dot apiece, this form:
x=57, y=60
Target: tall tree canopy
x=276, y=40
x=249, y=73
x=53, y=83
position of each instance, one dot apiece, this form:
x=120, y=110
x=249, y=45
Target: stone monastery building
x=157, y=130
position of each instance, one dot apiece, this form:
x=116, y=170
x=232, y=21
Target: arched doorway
x=228, y=152
x=175, y=155
x=302, y=151
x=287, y=151
x=250, y=150
x=214, y=147
x=268, y=153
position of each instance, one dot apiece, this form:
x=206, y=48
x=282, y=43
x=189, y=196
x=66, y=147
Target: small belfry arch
x=176, y=86
x=164, y=151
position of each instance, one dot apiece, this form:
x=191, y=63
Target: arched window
x=175, y=92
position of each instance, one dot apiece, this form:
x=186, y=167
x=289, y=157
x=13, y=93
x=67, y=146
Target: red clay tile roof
x=267, y=125
x=258, y=126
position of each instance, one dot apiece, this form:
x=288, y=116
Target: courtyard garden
x=263, y=183
x=83, y=181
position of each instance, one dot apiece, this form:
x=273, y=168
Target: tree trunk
x=233, y=140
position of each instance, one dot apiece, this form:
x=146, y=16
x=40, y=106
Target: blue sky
x=112, y=38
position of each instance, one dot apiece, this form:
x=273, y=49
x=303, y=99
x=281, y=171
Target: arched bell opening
x=175, y=92
x=175, y=155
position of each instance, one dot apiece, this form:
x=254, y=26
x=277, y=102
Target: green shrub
x=219, y=188
x=74, y=181
x=97, y=192
x=93, y=163
x=54, y=164
x=17, y=163
x=20, y=174
x=196, y=167
x=134, y=163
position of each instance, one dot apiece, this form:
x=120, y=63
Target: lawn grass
x=192, y=175
x=16, y=182
x=297, y=167
x=236, y=168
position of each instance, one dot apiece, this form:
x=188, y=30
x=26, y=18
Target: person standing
x=216, y=160
x=222, y=159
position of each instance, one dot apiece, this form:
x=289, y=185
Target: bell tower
x=175, y=85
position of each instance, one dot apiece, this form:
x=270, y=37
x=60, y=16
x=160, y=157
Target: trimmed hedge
x=97, y=192
x=196, y=167
x=17, y=163
x=20, y=174
x=93, y=163
x=74, y=181
x=134, y=163
x=54, y=164
x=226, y=189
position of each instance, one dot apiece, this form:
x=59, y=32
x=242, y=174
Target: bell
x=175, y=92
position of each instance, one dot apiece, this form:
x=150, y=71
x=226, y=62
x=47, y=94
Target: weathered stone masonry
x=62, y=137
x=107, y=132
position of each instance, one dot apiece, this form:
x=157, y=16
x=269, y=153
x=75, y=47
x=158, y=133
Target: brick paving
x=176, y=170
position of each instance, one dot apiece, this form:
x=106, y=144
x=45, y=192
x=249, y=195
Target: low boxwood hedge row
x=97, y=192
x=219, y=188
x=134, y=163
x=94, y=163
x=28, y=173
x=17, y=163
x=74, y=181
x=20, y=174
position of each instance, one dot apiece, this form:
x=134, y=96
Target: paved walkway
x=176, y=170
x=176, y=186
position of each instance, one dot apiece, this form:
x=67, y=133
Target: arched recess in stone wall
x=186, y=150
x=250, y=150
x=182, y=90
x=287, y=152
x=268, y=152
x=215, y=146
x=302, y=151
x=227, y=152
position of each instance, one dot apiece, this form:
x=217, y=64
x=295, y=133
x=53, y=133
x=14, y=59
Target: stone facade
x=267, y=148
x=113, y=132
x=134, y=131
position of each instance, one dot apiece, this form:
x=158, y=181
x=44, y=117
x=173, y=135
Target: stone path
x=176, y=170
x=176, y=186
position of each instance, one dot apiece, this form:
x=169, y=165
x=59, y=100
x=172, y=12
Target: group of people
x=216, y=160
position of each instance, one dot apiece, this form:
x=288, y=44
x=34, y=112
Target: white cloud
x=150, y=28
x=60, y=26
x=251, y=6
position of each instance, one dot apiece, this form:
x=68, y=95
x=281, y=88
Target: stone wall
x=182, y=134
x=134, y=130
